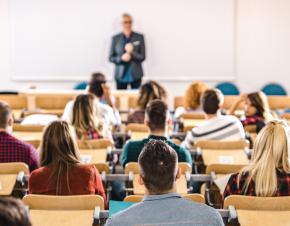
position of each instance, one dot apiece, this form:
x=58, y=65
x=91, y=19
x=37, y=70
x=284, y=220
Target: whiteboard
x=66, y=40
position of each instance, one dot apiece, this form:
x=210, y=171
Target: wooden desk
x=26, y=136
x=62, y=217
x=93, y=156
x=263, y=218
x=17, y=113
x=140, y=190
x=193, y=122
x=235, y=157
x=7, y=182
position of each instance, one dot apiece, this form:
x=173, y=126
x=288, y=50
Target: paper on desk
x=39, y=119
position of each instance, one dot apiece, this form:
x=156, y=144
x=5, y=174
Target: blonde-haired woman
x=85, y=120
x=268, y=174
x=61, y=172
x=192, y=99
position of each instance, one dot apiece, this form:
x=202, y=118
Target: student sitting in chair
x=192, y=99
x=161, y=204
x=217, y=126
x=98, y=87
x=62, y=172
x=157, y=119
x=12, y=149
x=86, y=121
x=257, y=111
x=268, y=174
x=150, y=90
x=13, y=213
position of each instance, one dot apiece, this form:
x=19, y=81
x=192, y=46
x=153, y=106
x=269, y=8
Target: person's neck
x=173, y=190
x=210, y=116
x=158, y=133
x=127, y=33
x=4, y=130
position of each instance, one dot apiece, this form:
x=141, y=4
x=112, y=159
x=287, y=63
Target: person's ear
x=178, y=175
x=140, y=180
x=10, y=121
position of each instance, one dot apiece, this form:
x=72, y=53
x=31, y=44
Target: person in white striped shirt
x=217, y=126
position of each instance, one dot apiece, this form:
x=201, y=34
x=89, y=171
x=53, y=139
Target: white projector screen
x=66, y=40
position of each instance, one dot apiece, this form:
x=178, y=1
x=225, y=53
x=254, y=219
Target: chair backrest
x=27, y=128
x=95, y=144
x=251, y=128
x=225, y=145
x=192, y=115
x=14, y=168
x=228, y=88
x=33, y=141
x=274, y=89
x=192, y=197
x=136, y=127
x=258, y=203
x=53, y=202
x=229, y=100
x=279, y=102
x=15, y=101
x=178, y=101
x=103, y=167
x=81, y=86
x=52, y=102
x=223, y=168
x=132, y=102
x=134, y=167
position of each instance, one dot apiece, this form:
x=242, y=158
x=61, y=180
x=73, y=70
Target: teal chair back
x=228, y=88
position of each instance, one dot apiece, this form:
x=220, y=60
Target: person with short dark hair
x=157, y=119
x=217, y=126
x=104, y=102
x=150, y=90
x=13, y=213
x=12, y=149
x=127, y=53
x=162, y=205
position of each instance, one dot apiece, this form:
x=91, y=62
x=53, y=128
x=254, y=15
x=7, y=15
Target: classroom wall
x=262, y=51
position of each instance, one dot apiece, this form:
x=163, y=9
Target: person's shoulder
x=229, y=118
x=118, y=35
x=135, y=143
x=21, y=144
x=138, y=34
x=124, y=217
x=39, y=173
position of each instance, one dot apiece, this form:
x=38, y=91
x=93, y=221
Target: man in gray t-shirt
x=162, y=205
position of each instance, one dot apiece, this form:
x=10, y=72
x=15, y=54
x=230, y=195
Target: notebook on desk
x=117, y=206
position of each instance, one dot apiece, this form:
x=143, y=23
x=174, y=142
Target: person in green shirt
x=157, y=119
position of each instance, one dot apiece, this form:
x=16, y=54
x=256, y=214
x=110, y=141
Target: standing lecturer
x=127, y=53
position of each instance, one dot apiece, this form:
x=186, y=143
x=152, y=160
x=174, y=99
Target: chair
x=260, y=211
x=52, y=104
x=63, y=210
x=18, y=104
x=228, y=88
x=94, y=151
x=81, y=86
x=178, y=101
x=28, y=133
x=191, y=120
x=137, y=131
x=10, y=174
x=132, y=102
x=279, y=102
x=132, y=169
x=274, y=89
x=103, y=167
x=230, y=100
x=192, y=197
x=223, y=152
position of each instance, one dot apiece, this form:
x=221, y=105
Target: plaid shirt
x=233, y=188
x=13, y=150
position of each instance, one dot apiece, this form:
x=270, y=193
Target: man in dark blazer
x=127, y=53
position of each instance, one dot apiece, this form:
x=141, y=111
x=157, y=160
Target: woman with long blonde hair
x=61, y=172
x=268, y=174
x=86, y=121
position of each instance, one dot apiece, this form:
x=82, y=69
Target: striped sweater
x=222, y=127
